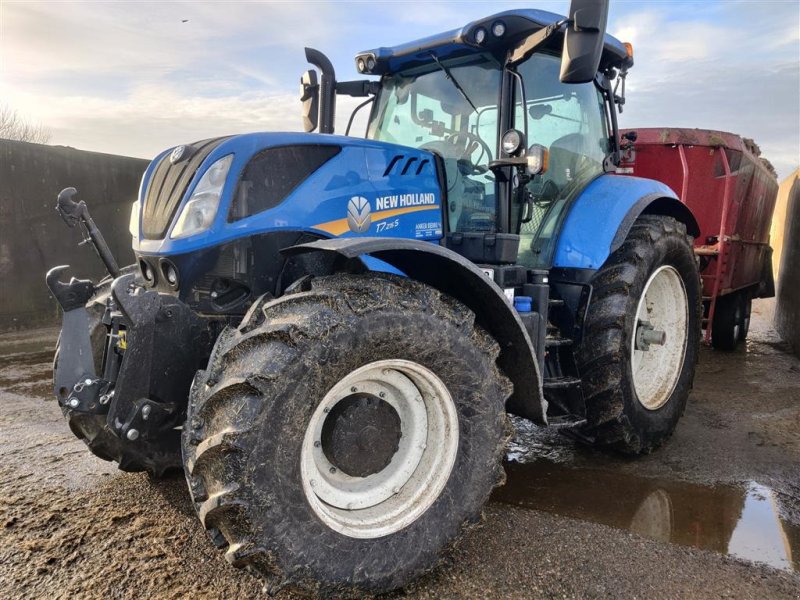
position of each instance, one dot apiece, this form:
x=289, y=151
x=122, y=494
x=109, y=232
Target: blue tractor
x=328, y=333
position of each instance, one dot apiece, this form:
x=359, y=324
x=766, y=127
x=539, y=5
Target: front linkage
x=125, y=359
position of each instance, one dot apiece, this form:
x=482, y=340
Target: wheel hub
x=658, y=344
x=379, y=448
x=361, y=434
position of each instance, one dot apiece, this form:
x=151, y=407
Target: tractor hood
x=210, y=192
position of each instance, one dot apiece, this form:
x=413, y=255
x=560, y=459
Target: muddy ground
x=715, y=513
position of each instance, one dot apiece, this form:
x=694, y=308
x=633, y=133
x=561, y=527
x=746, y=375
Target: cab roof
x=518, y=23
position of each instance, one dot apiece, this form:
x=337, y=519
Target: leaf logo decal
x=359, y=216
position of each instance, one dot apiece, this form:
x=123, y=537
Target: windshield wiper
x=450, y=77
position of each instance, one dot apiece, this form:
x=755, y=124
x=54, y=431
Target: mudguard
x=455, y=276
x=602, y=215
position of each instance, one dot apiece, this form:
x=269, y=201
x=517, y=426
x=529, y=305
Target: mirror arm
x=358, y=89
x=613, y=159
x=355, y=111
x=526, y=47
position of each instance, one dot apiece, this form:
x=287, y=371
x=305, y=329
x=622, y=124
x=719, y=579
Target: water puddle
x=744, y=522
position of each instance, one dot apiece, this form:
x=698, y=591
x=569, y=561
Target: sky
x=135, y=78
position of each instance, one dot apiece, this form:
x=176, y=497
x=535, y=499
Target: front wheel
x=641, y=338
x=344, y=435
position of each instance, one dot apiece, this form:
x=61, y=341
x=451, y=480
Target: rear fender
x=601, y=217
x=455, y=276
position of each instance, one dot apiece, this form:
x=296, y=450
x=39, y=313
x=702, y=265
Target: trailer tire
x=256, y=433
x=729, y=322
x=747, y=309
x=626, y=411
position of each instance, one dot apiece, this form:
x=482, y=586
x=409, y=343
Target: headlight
x=133, y=224
x=513, y=142
x=199, y=212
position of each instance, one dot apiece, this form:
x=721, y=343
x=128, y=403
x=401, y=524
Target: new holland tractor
x=328, y=333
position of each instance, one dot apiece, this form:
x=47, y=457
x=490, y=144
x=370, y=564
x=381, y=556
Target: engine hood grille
x=168, y=185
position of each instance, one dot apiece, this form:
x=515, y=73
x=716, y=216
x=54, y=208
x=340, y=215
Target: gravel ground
x=571, y=522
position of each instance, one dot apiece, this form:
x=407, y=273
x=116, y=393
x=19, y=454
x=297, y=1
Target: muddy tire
x=154, y=456
x=747, y=304
x=318, y=382
x=729, y=322
x=634, y=397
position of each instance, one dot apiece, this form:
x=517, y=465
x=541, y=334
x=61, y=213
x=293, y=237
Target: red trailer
x=732, y=193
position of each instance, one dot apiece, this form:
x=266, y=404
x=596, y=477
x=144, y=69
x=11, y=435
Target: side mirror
x=309, y=95
x=583, y=40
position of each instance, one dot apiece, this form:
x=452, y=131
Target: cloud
x=132, y=77
x=726, y=66
x=153, y=118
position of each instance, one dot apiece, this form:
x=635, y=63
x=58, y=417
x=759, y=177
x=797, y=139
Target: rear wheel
x=344, y=435
x=641, y=338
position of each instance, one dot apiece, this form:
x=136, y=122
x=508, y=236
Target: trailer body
x=730, y=191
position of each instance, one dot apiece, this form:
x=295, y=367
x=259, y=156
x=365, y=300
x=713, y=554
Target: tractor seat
x=565, y=158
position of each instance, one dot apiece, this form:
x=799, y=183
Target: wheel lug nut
x=74, y=403
x=317, y=444
x=382, y=394
x=354, y=389
x=333, y=469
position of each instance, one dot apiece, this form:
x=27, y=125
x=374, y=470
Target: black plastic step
x=561, y=383
x=556, y=342
x=555, y=302
x=565, y=422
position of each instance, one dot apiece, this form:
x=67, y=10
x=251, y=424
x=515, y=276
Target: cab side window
x=568, y=119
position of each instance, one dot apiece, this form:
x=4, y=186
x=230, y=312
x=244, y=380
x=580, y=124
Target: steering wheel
x=460, y=147
x=467, y=144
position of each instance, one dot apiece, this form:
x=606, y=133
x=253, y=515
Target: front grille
x=168, y=185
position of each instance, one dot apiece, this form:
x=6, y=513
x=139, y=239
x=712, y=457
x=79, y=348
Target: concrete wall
x=787, y=311
x=33, y=237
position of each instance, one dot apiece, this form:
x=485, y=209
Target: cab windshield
x=451, y=109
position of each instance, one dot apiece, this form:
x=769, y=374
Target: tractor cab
x=518, y=128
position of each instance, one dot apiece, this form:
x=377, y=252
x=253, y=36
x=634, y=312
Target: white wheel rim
x=663, y=304
x=391, y=499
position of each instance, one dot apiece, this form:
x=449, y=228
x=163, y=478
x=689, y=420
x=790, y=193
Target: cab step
x=561, y=383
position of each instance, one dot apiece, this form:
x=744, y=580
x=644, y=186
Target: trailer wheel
x=344, y=435
x=747, y=309
x=728, y=326
x=641, y=338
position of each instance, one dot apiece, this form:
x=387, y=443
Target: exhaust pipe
x=327, y=89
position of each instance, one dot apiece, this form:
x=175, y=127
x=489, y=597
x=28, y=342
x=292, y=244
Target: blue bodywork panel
x=520, y=23
x=595, y=216
x=406, y=205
